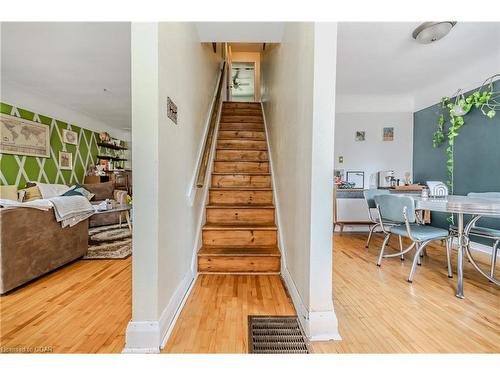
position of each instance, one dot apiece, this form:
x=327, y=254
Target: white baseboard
x=317, y=325
x=142, y=337
x=151, y=336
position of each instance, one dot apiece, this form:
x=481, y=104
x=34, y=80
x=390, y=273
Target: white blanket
x=71, y=210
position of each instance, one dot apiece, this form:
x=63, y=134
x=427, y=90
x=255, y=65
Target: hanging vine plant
x=451, y=118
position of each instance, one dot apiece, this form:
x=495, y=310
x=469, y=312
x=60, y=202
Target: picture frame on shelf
x=357, y=178
x=360, y=135
x=388, y=134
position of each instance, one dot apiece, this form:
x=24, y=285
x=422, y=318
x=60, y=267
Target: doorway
x=243, y=81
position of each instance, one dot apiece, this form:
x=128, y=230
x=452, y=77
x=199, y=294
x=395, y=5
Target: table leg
x=460, y=261
x=127, y=216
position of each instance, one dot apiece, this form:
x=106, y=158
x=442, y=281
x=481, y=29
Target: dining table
x=460, y=206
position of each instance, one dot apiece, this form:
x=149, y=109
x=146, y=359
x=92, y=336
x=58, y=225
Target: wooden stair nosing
x=240, y=188
x=241, y=173
x=239, y=251
x=237, y=227
x=238, y=206
x=253, y=139
x=240, y=148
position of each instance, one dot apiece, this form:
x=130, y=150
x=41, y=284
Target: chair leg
x=494, y=252
x=370, y=234
x=386, y=239
x=448, y=256
x=416, y=260
x=401, y=247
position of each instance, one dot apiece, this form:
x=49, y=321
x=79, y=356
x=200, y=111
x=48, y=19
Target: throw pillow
x=78, y=189
x=8, y=192
x=31, y=194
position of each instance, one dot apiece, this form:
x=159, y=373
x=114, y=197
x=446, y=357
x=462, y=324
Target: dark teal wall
x=477, y=155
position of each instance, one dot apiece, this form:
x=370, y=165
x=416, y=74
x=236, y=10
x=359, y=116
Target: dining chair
x=486, y=232
x=401, y=209
x=372, y=206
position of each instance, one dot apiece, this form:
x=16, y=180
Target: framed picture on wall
x=357, y=178
x=65, y=160
x=388, y=134
x=70, y=137
x=23, y=137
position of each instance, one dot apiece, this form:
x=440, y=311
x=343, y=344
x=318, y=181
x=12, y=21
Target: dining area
x=403, y=216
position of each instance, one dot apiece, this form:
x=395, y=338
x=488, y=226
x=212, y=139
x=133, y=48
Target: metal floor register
x=275, y=335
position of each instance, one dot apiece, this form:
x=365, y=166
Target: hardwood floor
x=378, y=311
x=214, y=320
x=85, y=306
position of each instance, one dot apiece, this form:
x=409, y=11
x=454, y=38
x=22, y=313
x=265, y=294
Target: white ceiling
x=376, y=59
x=240, y=32
x=71, y=64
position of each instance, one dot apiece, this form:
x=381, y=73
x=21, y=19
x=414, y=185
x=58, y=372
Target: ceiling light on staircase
x=429, y=32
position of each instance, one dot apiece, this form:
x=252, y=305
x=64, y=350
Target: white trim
x=151, y=336
x=171, y=313
x=142, y=337
x=275, y=194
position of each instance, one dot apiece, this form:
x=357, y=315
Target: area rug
x=109, y=242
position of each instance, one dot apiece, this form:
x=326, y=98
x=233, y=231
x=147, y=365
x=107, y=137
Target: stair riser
x=240, y=215
x=242, y=112
x=243, y=118
x=231, y=134
x=239, y=264
x=241, y=105
x=242, y=126
x=239, y=237
x=230, y=166
x=241, y=144
x=240, y=181
x=240, y=197
x=243, y=155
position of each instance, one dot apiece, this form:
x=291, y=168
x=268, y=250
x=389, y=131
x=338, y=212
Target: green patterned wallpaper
x=18, y=169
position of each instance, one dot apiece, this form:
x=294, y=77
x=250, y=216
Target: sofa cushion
x=8, y=192
x=102, y=191
x=31, y=194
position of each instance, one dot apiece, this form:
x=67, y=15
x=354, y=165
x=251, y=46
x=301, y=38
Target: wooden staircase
x=240, y=233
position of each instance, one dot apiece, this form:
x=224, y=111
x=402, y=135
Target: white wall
x=167, y=60
x=298, y=81
x=187, y=74
x=373, y=154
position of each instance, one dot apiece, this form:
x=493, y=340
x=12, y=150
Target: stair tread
x=232, y=205
x=242, y=173
x=239, y=226
x=250, y=139
x=242, y=161
x=241, y=148
x=241, y=188
x=239, y=251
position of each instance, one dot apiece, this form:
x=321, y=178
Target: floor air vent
x=275, y=335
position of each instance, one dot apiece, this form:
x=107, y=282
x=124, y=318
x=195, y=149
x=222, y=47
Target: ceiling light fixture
x=429, y=32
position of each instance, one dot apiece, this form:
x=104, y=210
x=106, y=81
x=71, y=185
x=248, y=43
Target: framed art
x=359, y=136
x=70, y=137
x=388, y=134
x=65, y=160
x=357, y=178
x=23, y=137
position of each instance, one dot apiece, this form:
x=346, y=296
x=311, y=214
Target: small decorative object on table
x=437, y=189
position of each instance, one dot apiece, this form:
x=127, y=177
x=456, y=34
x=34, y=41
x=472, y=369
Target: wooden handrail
x=207, y=147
